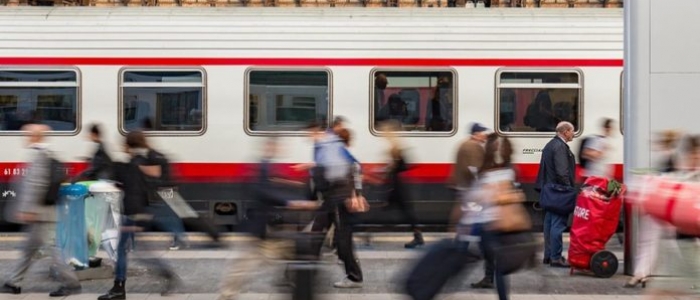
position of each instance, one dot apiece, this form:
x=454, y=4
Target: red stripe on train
x=245, y=172
x=264, y=61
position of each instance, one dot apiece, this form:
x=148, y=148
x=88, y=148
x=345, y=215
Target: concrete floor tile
x=169, y=297
x=203, y=296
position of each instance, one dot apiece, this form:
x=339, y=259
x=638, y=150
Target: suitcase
x=202, y=224
x=442, y=261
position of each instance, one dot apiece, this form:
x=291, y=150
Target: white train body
x=475, y=46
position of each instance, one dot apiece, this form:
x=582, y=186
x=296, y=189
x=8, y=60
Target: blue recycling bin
x=71, y=231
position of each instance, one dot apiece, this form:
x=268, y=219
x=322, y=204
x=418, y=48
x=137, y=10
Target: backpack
x=583, y=162
x=165, y=179
x=57, y=176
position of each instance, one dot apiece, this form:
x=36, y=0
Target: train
x=213, y=83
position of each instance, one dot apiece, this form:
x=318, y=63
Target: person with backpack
x=593, y=153
x=36, y=208
x=156, y=169
x=137, y=215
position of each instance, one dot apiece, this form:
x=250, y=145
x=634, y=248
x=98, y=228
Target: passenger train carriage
x=214, y=83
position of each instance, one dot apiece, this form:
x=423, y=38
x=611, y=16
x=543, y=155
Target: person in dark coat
x=556, y=166
x=101, y=163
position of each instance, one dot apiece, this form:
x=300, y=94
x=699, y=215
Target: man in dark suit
x=556, y=166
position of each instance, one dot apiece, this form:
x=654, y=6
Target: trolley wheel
x=604, y=264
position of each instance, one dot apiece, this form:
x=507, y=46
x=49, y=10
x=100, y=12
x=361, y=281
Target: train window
x=535, y=101
x=287, y=100
x=163, y=100
x=46, y=96
x=423, y=101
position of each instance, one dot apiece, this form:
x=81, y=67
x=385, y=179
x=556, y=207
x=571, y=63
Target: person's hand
x=303, y=167
x=303, y=205
x=26, y=217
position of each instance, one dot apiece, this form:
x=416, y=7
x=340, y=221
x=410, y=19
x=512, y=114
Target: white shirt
x=600, y=167
x=477, y=205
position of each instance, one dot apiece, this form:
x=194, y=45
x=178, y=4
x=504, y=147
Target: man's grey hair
x=564, y=126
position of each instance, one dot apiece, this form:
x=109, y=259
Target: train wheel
x=604, y=264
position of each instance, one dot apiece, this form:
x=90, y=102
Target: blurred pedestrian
x=101, y=163
x=503, y=219
x=332, y=178
x=650, y=230
x=136, y=215
x=680, y=255
x=596, y=151
x=399, y=197
x=36, y=208
x=255, y=254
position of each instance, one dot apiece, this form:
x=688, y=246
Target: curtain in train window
x=282, y=100
x=419, y=100
x=534, y=101
x=163, y=101
x=47, y=97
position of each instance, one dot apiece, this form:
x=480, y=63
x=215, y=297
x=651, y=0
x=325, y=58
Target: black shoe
x=546, y=261
x=118, y=292
x=65, y=291
x=559, y=263
x=483, y=284
x=10, y=289
x=417, y=241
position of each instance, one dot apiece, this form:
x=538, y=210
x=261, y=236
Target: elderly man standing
x=32, y=210
x=556, y=166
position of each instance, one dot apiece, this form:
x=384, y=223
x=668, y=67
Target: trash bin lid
x=73, y=190
x=103, y=187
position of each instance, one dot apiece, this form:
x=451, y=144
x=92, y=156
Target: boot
x=485, y=283
x=417, y=241
x=118, y=292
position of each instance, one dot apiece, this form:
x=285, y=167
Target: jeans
x=165, y=219
x=124, y=237
x=120, y=271
x=554, y=226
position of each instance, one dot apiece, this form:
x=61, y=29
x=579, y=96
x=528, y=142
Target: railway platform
x=383, y=262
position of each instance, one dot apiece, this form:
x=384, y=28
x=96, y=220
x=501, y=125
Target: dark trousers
x=406, y=211
x=333, y=208
x=554, y=226
x=489, y=242
x=120, y=270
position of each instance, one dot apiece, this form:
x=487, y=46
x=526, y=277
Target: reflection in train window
x=420, y=100
x=163, y=100
x=535, y=101
x=48, y=97
x=285, y=100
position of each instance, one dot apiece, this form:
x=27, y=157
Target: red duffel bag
x=674, y=201
x=596, y=217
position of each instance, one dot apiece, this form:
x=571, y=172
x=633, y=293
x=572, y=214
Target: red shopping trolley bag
x=596, y=217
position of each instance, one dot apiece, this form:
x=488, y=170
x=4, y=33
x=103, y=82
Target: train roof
x=344, y=29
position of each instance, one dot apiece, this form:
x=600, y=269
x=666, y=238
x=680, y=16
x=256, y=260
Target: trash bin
x=71, y=232
x=103, y=210
x=95, y=215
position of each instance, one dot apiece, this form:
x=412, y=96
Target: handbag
x=512, y=216
x=558, y=199
x=357, y=203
